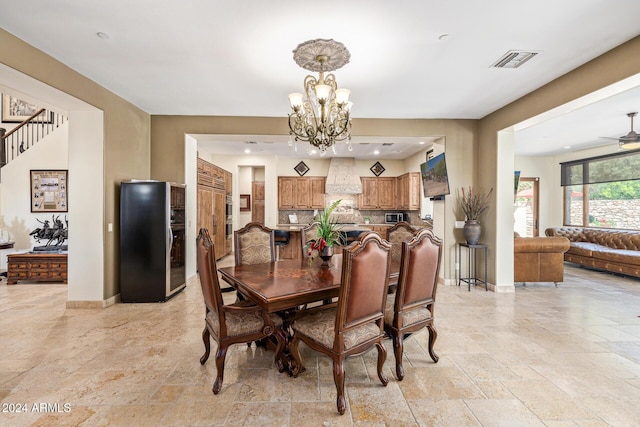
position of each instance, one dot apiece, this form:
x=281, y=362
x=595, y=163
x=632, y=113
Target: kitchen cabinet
x=408, y=191
x=213, y=182
x=377, y=193
x=301, y=193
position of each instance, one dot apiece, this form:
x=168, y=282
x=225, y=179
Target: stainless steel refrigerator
x=152, y=240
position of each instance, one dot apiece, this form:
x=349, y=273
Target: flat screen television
x=435, y=181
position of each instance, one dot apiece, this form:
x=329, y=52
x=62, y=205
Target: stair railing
x=27, y=134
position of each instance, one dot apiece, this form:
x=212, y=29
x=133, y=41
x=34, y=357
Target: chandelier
x=322, y=115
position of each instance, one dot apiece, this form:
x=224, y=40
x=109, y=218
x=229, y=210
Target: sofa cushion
x=584, y=248
x=618, y=255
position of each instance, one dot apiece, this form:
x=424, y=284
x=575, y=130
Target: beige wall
x=126, y=136
x=615, y=65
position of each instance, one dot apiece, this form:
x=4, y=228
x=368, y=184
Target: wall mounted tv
x=435, y=182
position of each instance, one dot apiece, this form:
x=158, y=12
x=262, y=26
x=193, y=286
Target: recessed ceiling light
x=247, y=151
x=102, y=35
x=376, y=152
x=566, y=147
x=421, y=142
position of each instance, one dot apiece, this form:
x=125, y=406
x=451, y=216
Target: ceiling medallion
x=322, y=115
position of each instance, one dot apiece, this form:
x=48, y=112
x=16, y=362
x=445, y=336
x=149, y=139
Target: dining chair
x=396, y=234
x=354, y=324
x=230, y=324
x=254, y=244
x=411, y=307
x=308, y=232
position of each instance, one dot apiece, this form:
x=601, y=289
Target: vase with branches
x=473, y=203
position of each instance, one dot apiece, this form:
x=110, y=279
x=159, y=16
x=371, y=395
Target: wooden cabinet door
x=302, y=193
x=205, y=208
x=228, y=186
x=414, y=198
x=317, y=192
x=369, y=197
x=257, y=203
x=220, y=212
x=386, y=193
x=286, y=192
x=402, y=197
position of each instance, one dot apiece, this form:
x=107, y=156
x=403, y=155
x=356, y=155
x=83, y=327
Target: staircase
x=27, y=134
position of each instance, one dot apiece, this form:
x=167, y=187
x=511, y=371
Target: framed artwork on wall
x=15, y=110
x=49, y=190
x=245, y=203
x=301, y=168
x=377, y=169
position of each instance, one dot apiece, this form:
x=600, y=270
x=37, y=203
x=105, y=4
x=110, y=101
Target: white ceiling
x=409, y=59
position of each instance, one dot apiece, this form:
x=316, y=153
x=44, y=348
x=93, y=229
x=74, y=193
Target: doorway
x=526, y=207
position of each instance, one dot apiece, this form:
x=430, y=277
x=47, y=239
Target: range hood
x=342, y=177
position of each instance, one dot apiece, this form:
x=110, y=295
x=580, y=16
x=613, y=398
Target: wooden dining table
x=284, y=286
x=288, y=284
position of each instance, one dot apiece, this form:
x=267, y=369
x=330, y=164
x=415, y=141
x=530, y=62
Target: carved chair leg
x=397, y=352
x=382, y=356
x=338, y=378
x=433, y=334
x=207, y=345
x=220, y=356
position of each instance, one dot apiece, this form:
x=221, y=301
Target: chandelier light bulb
x=323, y=92
x=342, y=96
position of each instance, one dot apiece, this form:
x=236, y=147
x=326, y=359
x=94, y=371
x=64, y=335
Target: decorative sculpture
x=54, y=235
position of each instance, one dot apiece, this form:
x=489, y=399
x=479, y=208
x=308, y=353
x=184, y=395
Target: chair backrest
x=308, y=232
x=398, y=233
x=419, y=269
x=254, y=244
x=365, y=278
x=208, y=272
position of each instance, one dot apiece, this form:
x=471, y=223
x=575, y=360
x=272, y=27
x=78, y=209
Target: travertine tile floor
x=566, y=356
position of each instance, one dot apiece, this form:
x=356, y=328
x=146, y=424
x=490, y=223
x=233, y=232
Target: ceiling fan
x=630, y=141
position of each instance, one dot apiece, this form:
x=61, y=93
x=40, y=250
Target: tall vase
x=471, y=231
x=326, y=253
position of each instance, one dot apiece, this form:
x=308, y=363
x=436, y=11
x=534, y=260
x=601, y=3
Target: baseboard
x=94, y=304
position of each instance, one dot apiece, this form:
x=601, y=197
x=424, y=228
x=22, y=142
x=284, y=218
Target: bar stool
x=281, y=238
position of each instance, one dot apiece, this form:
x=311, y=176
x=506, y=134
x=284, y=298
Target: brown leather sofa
x=617, y=251
x=539, y=259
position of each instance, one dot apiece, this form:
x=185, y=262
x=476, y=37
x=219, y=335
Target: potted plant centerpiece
x=328, y=235
x=473, y=203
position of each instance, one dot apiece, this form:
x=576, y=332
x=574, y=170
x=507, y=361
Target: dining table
x=286, y=286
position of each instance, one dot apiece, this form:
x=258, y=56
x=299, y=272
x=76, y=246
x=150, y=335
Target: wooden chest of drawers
x=36, y=267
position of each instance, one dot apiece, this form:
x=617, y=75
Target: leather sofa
x=539, y=259
x=617, y=251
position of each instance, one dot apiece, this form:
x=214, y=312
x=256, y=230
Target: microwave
x=394, y=217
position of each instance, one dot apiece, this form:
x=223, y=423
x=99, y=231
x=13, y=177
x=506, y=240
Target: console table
x=37, y=267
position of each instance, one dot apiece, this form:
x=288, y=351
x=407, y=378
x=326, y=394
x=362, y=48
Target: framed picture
x=49, y=190
x=301, y=168
x=377, y=169
x=245, y=203
x=15, y=110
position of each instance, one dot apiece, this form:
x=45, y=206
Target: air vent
x=251, y=142
x=513, y=59
x=387, y=144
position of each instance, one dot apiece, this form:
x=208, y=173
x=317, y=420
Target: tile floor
x=543, y=356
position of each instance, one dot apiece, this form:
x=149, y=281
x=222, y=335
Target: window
x=602, y=191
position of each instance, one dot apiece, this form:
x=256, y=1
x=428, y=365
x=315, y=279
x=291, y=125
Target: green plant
x=327, y=230
x=473, y=203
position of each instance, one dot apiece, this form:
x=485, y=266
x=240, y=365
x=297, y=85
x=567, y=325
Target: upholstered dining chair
x=354, y=324
x=229, y=324
x=396, y=234
x=308, y=232
x=411, y=307
x=254, y=244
